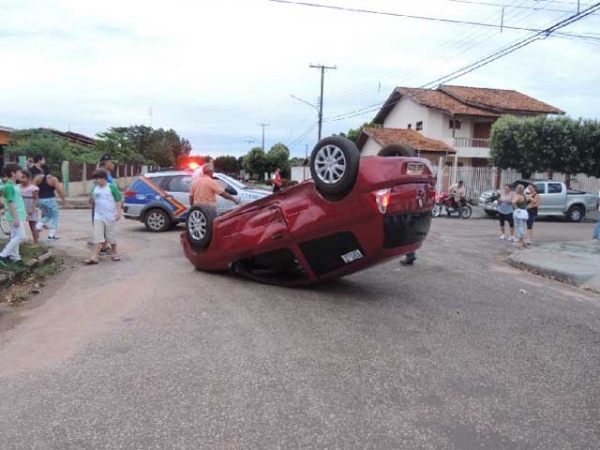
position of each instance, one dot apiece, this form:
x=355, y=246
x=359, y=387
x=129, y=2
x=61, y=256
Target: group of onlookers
x=519, y=209
x=27, y=191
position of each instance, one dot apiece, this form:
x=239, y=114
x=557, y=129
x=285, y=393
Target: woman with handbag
x=520, y=214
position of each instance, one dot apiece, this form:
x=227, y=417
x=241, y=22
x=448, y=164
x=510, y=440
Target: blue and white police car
x=161, y=199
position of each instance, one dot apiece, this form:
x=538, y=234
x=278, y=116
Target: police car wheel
x=199, y=226
x=157, y=220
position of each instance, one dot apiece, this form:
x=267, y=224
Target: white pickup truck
x=557, y=200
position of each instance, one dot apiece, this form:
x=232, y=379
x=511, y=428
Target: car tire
x=575, y=214
x=334, y=164
x=199, y=226
x=157, y=220
x=396, y=150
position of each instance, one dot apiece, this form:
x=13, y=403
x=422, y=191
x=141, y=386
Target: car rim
x=197, y=225
x=330, y=164
x=156, y=221
x=576, y=215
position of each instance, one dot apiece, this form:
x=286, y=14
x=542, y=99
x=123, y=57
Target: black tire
x=334, y=166
x=396, y=150
x=491, y=213
x=157, y=220
x=575, y=214
x=199, y=226
x=466, y=211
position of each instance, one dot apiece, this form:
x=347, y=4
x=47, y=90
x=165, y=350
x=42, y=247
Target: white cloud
x=213, y=70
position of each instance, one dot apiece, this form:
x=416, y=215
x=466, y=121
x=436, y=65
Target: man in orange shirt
x=277, y=181
x=205, y=189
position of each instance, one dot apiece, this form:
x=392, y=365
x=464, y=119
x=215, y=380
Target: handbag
x=521, y=214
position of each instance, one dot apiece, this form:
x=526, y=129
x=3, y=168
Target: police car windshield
x=233, y=182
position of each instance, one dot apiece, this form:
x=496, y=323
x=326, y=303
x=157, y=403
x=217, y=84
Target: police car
x=161, y=199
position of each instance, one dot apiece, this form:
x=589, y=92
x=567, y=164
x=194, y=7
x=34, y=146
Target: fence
x=479, y=179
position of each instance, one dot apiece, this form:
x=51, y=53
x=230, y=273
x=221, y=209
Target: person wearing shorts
x=31, y=197
x=533, y=202
x=108, y=204
x=505, y=213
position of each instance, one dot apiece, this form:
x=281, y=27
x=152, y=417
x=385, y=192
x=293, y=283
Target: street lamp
x=304, y=101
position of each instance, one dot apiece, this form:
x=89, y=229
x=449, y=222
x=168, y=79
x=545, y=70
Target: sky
x=214, y=70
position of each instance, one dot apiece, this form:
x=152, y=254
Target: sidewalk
x=574, y=262
x=80, y=202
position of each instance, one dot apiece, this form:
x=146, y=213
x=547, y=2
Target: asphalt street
x=460, y=351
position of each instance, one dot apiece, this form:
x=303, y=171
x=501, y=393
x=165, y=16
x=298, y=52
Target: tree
x=354, y=133
x=227, y=164
x=538, y=144
x=54, y=148
x=256, y=162
x=278, y=157
x=589, y=145
x=140, y=144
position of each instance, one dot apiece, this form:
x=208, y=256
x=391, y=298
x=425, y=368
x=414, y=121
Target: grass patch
x=27, y=251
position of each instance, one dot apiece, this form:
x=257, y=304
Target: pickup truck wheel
x=575, y=214
x=334, y=166
x=199, y=226
x=157, y=220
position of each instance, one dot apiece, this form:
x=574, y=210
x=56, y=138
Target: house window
x=409, y=126
x=419, y=126
x=454, y=124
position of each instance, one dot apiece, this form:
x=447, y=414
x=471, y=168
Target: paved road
x=458, y=352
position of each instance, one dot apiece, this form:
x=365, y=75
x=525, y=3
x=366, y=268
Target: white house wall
x=405, y=112
x=371, y=148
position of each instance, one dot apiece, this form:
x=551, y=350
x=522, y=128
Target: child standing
x=31, y=197
x=108, y=203
x=15, y=214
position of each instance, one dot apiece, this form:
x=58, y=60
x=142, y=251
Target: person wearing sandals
x=505, y=213
x=533, y=202
x=520, y=214
x=108, y=204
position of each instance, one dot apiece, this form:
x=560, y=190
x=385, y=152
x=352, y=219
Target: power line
x=303, y=136
x=504, y=5
x=482, y=62
x=409, y=16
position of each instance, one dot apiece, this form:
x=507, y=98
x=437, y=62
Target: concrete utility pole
x=263, y=125
x=323, y=69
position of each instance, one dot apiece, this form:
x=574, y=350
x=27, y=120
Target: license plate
x=415, y=169
x=352, y=256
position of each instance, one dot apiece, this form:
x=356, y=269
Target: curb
x=558, y=275
x=9, y=277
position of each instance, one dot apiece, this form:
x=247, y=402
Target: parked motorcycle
x=444, y=201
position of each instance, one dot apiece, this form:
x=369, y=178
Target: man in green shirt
x=15, y=214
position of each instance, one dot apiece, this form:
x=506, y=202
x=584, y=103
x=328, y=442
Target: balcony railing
x=463, y=142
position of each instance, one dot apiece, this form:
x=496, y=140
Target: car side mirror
x=230, y=190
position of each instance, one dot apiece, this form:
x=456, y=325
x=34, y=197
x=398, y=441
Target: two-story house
x=460, y=117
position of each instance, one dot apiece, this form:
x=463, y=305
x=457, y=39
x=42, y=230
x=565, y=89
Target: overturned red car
x=354, y=213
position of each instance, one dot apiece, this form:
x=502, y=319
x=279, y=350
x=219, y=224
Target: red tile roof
x=440, y=100
x=499, y=99
x=408, y=138
x=468, y=101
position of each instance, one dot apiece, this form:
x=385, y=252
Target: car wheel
x=334, y=166
x=157, y=220
x=575, y=214
x=199, y=226
x=466, y=211
x=396, y=150
x=490, y=213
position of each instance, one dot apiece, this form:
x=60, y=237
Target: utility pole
x=263, y=125
x=323, y=69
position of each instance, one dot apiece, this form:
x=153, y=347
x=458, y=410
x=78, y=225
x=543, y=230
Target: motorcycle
x=446, y=201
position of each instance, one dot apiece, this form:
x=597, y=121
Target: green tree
x=55, y=148
x=538, y=144
x=278, y=157
x=227, y=164
x=589, y=144
x=256, y=162
x=354, y=133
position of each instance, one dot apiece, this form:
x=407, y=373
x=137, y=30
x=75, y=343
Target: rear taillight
x=382, y=197
x=129, y=193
